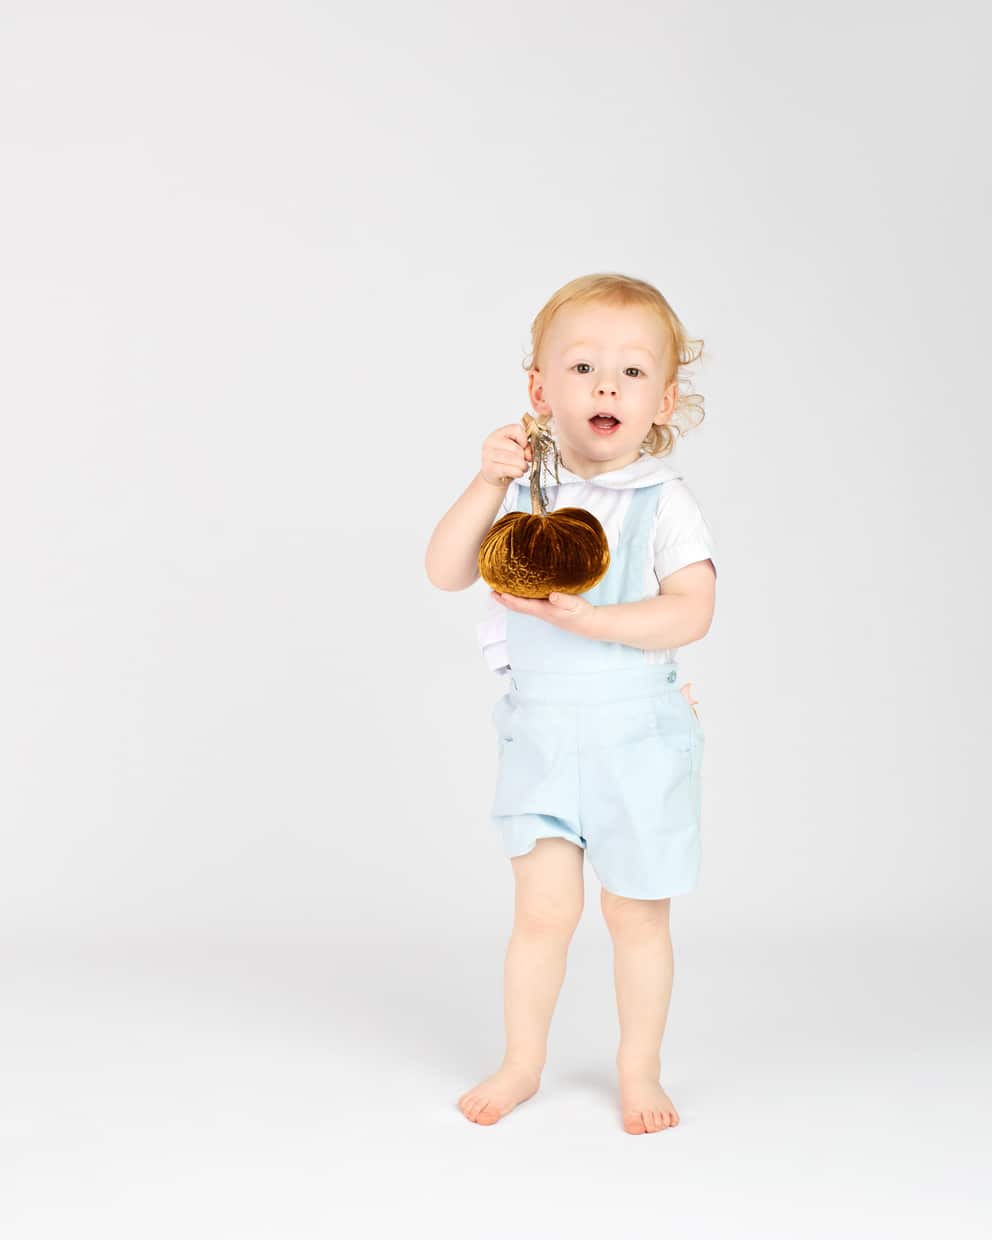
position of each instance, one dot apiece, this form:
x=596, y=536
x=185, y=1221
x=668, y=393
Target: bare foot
x=498, y=1094
x=645, y=1106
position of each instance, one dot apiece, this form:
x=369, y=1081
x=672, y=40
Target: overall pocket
x=501, y=716
x=698, y=737
x=676, y=720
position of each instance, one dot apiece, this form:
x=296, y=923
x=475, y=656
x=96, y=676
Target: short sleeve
x=682, y=535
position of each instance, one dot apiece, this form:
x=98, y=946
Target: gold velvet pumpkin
x=532, y=553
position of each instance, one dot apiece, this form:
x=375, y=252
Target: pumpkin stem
x=542, y=444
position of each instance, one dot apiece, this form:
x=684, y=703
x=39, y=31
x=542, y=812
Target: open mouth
x=603, y=423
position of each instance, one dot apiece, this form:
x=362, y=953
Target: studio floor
x=204, y=1087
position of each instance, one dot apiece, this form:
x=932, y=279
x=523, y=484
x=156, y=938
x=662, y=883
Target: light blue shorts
x=610, y=760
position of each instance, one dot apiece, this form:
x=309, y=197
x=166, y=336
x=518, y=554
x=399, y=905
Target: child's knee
x=549, y=911
x=624, y=913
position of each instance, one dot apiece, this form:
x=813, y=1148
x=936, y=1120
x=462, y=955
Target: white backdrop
x=267, y=278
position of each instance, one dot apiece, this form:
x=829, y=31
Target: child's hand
x=506, y=454
x=567, y=611
x=686, y=692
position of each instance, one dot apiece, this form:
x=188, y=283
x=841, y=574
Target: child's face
x=609, y=359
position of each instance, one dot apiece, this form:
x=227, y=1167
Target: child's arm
x=681, y=614
x=452, y=559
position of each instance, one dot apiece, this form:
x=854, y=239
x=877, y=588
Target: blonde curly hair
x=613, y=289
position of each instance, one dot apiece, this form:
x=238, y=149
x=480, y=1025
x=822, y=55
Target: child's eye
x=578, y=364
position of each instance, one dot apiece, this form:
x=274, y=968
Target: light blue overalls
x=597, y=745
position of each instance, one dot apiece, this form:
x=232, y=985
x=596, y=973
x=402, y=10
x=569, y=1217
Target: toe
x=486, y=1112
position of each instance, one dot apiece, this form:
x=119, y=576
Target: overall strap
x=642, y=505
x=523, y=499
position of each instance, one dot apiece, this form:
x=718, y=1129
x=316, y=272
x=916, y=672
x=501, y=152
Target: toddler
x=599, y=747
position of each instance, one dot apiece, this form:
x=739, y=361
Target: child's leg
x=643, y=970
x=548, y=904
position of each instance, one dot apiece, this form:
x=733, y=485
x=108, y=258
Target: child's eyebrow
x=630, y=348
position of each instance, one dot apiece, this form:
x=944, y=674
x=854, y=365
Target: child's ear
x=535, y=389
